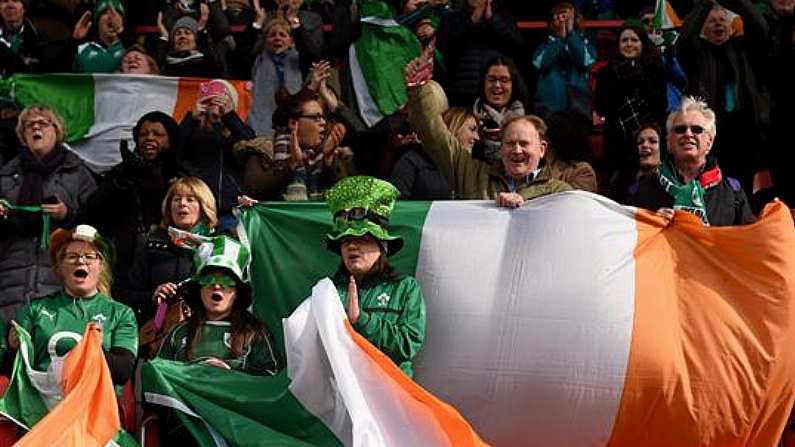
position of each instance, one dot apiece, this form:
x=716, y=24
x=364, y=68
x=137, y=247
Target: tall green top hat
x=362, y=205
x=102, y=5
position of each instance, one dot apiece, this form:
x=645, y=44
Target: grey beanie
x=186, y=22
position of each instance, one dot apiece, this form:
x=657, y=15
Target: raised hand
x=420, y=70
x=353, y=301
x=82, y=26
x=204, y=15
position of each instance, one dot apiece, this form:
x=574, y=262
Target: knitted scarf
x=687, y=196
x=31, y=194
x=485, y=112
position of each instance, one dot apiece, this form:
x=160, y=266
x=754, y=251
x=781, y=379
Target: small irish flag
x=101, y=109
x=665, y=17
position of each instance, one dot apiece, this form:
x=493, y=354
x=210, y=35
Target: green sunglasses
x=222, y=280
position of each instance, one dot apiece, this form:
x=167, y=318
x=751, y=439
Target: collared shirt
x=514, y=185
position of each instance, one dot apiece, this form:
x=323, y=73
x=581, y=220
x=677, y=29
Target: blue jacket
x=563, y=66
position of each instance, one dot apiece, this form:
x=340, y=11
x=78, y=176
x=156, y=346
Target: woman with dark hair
x=302, y=157
x=220, y=329
x=385, y=307
x=630, y=91
x=503, y=93
x=127, y=204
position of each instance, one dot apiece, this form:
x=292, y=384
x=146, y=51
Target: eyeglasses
x=647, y=20
x=37, y=123
x=223, y=280
x=316, y=117
x=501, y=80
x=695, y=129
x=77, y=258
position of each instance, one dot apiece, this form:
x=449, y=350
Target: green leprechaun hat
x=226, y=253
x=362, y=205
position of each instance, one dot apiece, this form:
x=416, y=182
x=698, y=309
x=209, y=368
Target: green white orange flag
x=101, y=109
x=665, y=18
x=73, y=404
x=572, y=321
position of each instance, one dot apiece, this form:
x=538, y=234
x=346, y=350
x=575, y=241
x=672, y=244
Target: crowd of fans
x=469, y=106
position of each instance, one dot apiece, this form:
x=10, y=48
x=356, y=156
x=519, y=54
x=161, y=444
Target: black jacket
x=161, y=263
x=467, y=47
x=29, y=56
x=207, y=154
x=725, y=200
x=709, y=67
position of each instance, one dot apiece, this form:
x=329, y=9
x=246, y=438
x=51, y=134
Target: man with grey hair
x=690, y=179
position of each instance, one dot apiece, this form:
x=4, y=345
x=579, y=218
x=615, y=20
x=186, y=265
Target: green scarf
x=687, y=196
x=45, y=219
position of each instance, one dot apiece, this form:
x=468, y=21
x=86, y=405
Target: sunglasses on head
x=696, y=129
x=223, y=280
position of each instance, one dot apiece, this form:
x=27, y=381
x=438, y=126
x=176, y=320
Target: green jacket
x=92, y=57
x=392, y=315
x=471, y=178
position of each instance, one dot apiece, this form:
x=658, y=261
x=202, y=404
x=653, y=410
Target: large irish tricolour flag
x=101, y=109
x=572, y=321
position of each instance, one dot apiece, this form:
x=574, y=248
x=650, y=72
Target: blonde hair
x=43, y=111
x=693, y=104
x=105, y=280
x=208, y=213
x=455, y=117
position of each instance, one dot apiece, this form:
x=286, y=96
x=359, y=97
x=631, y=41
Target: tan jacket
x=471, y=178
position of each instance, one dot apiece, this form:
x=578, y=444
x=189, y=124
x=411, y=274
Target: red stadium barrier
x=523, y=25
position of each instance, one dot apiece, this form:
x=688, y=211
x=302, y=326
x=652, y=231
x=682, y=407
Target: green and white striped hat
x=223, y=252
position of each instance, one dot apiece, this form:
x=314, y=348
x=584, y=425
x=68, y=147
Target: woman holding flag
x=81, y=260
x=383, y=305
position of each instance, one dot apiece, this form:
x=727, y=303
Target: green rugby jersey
x=56, y=324
x=215, y=340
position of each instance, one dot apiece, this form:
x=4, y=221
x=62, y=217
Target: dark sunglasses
x=681, y=129
x=360, y=214
x=223, y=280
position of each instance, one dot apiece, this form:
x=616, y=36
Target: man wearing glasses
x=690, y=178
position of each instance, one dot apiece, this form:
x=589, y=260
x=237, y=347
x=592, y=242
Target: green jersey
x=92, y=57
x=215, y=340
x=56, y=324
x=391, y=316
